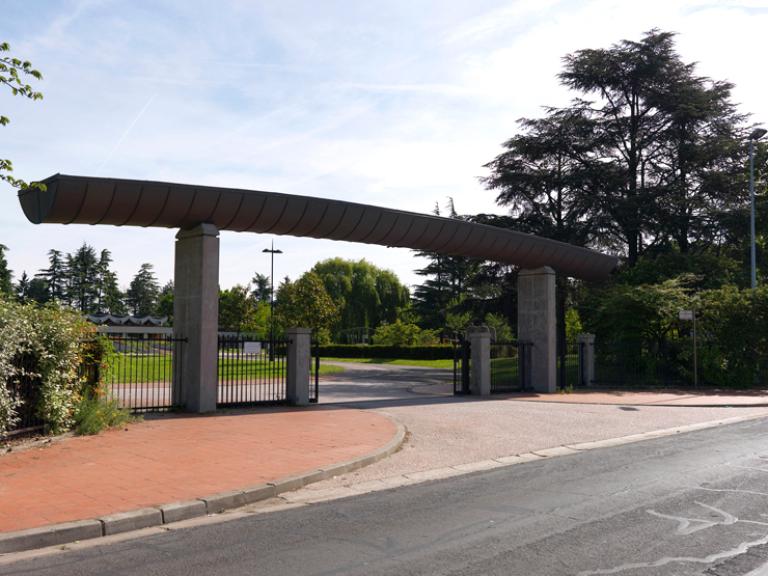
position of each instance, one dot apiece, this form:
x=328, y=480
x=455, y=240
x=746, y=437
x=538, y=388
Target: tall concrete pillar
x=480, y=350
x=536, y=322
x=298, y=365
x=587, y=357
x=196, y=314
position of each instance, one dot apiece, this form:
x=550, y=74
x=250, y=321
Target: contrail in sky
x=127, y=131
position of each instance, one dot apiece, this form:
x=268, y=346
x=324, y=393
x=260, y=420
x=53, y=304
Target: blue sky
x=396, y=103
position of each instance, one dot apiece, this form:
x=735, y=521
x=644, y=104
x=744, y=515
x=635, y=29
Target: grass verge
x=447, y=363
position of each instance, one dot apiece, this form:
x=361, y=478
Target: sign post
x=690, y=315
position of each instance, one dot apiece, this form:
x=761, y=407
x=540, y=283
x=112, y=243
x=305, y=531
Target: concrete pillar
x=196, y=314
x=536, y=323
x=480, y=363
x=587, y=357
x=298, y=365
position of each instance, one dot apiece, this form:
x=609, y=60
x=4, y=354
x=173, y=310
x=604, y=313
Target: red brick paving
x=177, y=458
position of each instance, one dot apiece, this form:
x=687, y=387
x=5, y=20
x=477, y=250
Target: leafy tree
x=666, y=141
x=499, y=327
x=365, y=294
x=306, y=303
x=37, y=291
x=165, y=301
x=6, y=284
x=261, y=287
x=143, y=292
x=238, y=310
x=13, y=74
x=403, y=334
x=548, y=179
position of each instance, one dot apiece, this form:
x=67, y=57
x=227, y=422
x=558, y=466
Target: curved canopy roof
x=89, y=200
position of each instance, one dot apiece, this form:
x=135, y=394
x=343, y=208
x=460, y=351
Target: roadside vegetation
x=42, y=354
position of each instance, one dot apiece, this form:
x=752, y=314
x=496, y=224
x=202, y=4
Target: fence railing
x=314, y=374
x=510, y=367
x=251, y=371
x=461, y=366
x=26, y=389
x=142, y=374
x=634, y=363
x=570, y=371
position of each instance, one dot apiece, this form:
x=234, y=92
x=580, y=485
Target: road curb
x=68, y=532
x=436, y=474
x=662, y=404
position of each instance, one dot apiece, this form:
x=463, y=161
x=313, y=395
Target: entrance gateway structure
x=200, y=212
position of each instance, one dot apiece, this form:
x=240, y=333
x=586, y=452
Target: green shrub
x=640, y=335
x=94, y=412
x=403, y=334
x=41, y=346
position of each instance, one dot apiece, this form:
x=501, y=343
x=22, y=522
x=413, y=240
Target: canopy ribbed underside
x=89, y=200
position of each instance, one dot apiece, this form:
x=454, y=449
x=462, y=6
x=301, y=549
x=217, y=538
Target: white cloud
x=395, y=103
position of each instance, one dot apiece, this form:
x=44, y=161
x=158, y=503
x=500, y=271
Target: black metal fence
x=510, y=367
x=570, y=370
x=314, y=373
x=251, y=372
x=142, y=374
x=461, y=366
x=26, y=389
x=635, y=363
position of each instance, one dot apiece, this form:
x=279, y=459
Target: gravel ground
x=447, y=431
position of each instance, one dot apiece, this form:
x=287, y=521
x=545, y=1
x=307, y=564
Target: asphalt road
x=693, y=504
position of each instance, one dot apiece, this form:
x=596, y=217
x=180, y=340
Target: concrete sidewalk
x=125, y=479
x=180, y=458
x=682, y=398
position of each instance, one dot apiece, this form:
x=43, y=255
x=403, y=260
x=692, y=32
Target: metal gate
x=251, y=371
x=570, y=365
x=143, y=374
x=314, y=373
x=510, y=362
x=461, y=362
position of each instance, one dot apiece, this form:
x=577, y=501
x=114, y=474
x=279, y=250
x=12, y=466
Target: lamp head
x=758, y=133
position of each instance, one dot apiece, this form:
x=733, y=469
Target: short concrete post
x=587, y=357
x=536, y=323
x=298, y=365
x=480, y=350
x=196, y=315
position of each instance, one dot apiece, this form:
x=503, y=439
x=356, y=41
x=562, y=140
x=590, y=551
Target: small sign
x=686, y=315
x=251, y=347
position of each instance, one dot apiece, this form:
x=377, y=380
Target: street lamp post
x=271, y=251
x=757, y=133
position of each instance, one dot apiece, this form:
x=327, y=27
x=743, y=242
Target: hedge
x=437, y=352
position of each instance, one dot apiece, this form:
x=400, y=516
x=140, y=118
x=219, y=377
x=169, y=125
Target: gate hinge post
x=298, y=365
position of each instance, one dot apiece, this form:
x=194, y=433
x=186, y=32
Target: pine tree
x=55, y=276
x=143, y=292
x=6, y=276
x=109, y=298
x=82, y=274
x=22, y=288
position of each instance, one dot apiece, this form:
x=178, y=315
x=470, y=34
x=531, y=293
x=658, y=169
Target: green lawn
x=447, y=364
x=158, y=368
x=504, y=371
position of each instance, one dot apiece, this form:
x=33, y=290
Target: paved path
x=170, y=459
x=691, y=505
x=451, y=431
x=175, y=458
